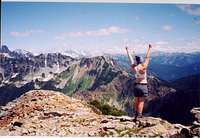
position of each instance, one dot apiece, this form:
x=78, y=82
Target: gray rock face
x=48, y=113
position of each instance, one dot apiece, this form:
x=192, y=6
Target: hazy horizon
x=100, y=27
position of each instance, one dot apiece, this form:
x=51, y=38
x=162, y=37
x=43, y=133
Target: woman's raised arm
x=147, y=58
x=131, y=59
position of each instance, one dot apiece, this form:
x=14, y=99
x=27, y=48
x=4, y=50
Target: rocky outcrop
x=194, y=129
x=196, y=112
x=49, y=113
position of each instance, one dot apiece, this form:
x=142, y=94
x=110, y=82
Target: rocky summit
x=50, y=113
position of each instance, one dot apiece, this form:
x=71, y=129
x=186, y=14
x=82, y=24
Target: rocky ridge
x=49, y=113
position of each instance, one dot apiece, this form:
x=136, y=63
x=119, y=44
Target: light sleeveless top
x=139, y=75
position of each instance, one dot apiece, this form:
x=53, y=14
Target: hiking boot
x=140, y=115
x=135, y=118
x=137, y=115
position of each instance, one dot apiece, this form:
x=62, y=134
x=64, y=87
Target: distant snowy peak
x=23, y=52
x=76, y=53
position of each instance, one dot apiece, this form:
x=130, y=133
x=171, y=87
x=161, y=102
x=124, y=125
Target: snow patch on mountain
x=23, y=52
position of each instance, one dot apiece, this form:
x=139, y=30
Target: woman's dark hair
x=138, y=60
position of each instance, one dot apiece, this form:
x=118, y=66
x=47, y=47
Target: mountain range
x=101, y=78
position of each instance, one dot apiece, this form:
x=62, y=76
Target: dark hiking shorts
x=141, y=90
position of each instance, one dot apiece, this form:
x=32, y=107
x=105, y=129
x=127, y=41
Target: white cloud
x=75, y=34
x=25, y=34
x=104, y=31
x=190, y=9
x=162, y=43
x=167, y=28
x=193, y=45
x=115, y=50
x=186, y=46
x=138, y=45
x=61, y=36
x=99, y=32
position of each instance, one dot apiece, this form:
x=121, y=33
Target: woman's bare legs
x=140, y=105
x=136, y=104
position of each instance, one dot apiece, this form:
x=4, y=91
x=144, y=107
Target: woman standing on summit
x=139, y=67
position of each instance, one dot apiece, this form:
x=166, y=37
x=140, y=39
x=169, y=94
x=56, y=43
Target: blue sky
x=100, y=27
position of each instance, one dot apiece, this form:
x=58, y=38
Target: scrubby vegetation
x=107, y=96
x=107, y=109
x=84, y=83
x=69, y=88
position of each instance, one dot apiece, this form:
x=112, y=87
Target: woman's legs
x=140, y=105
x=136, y=104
